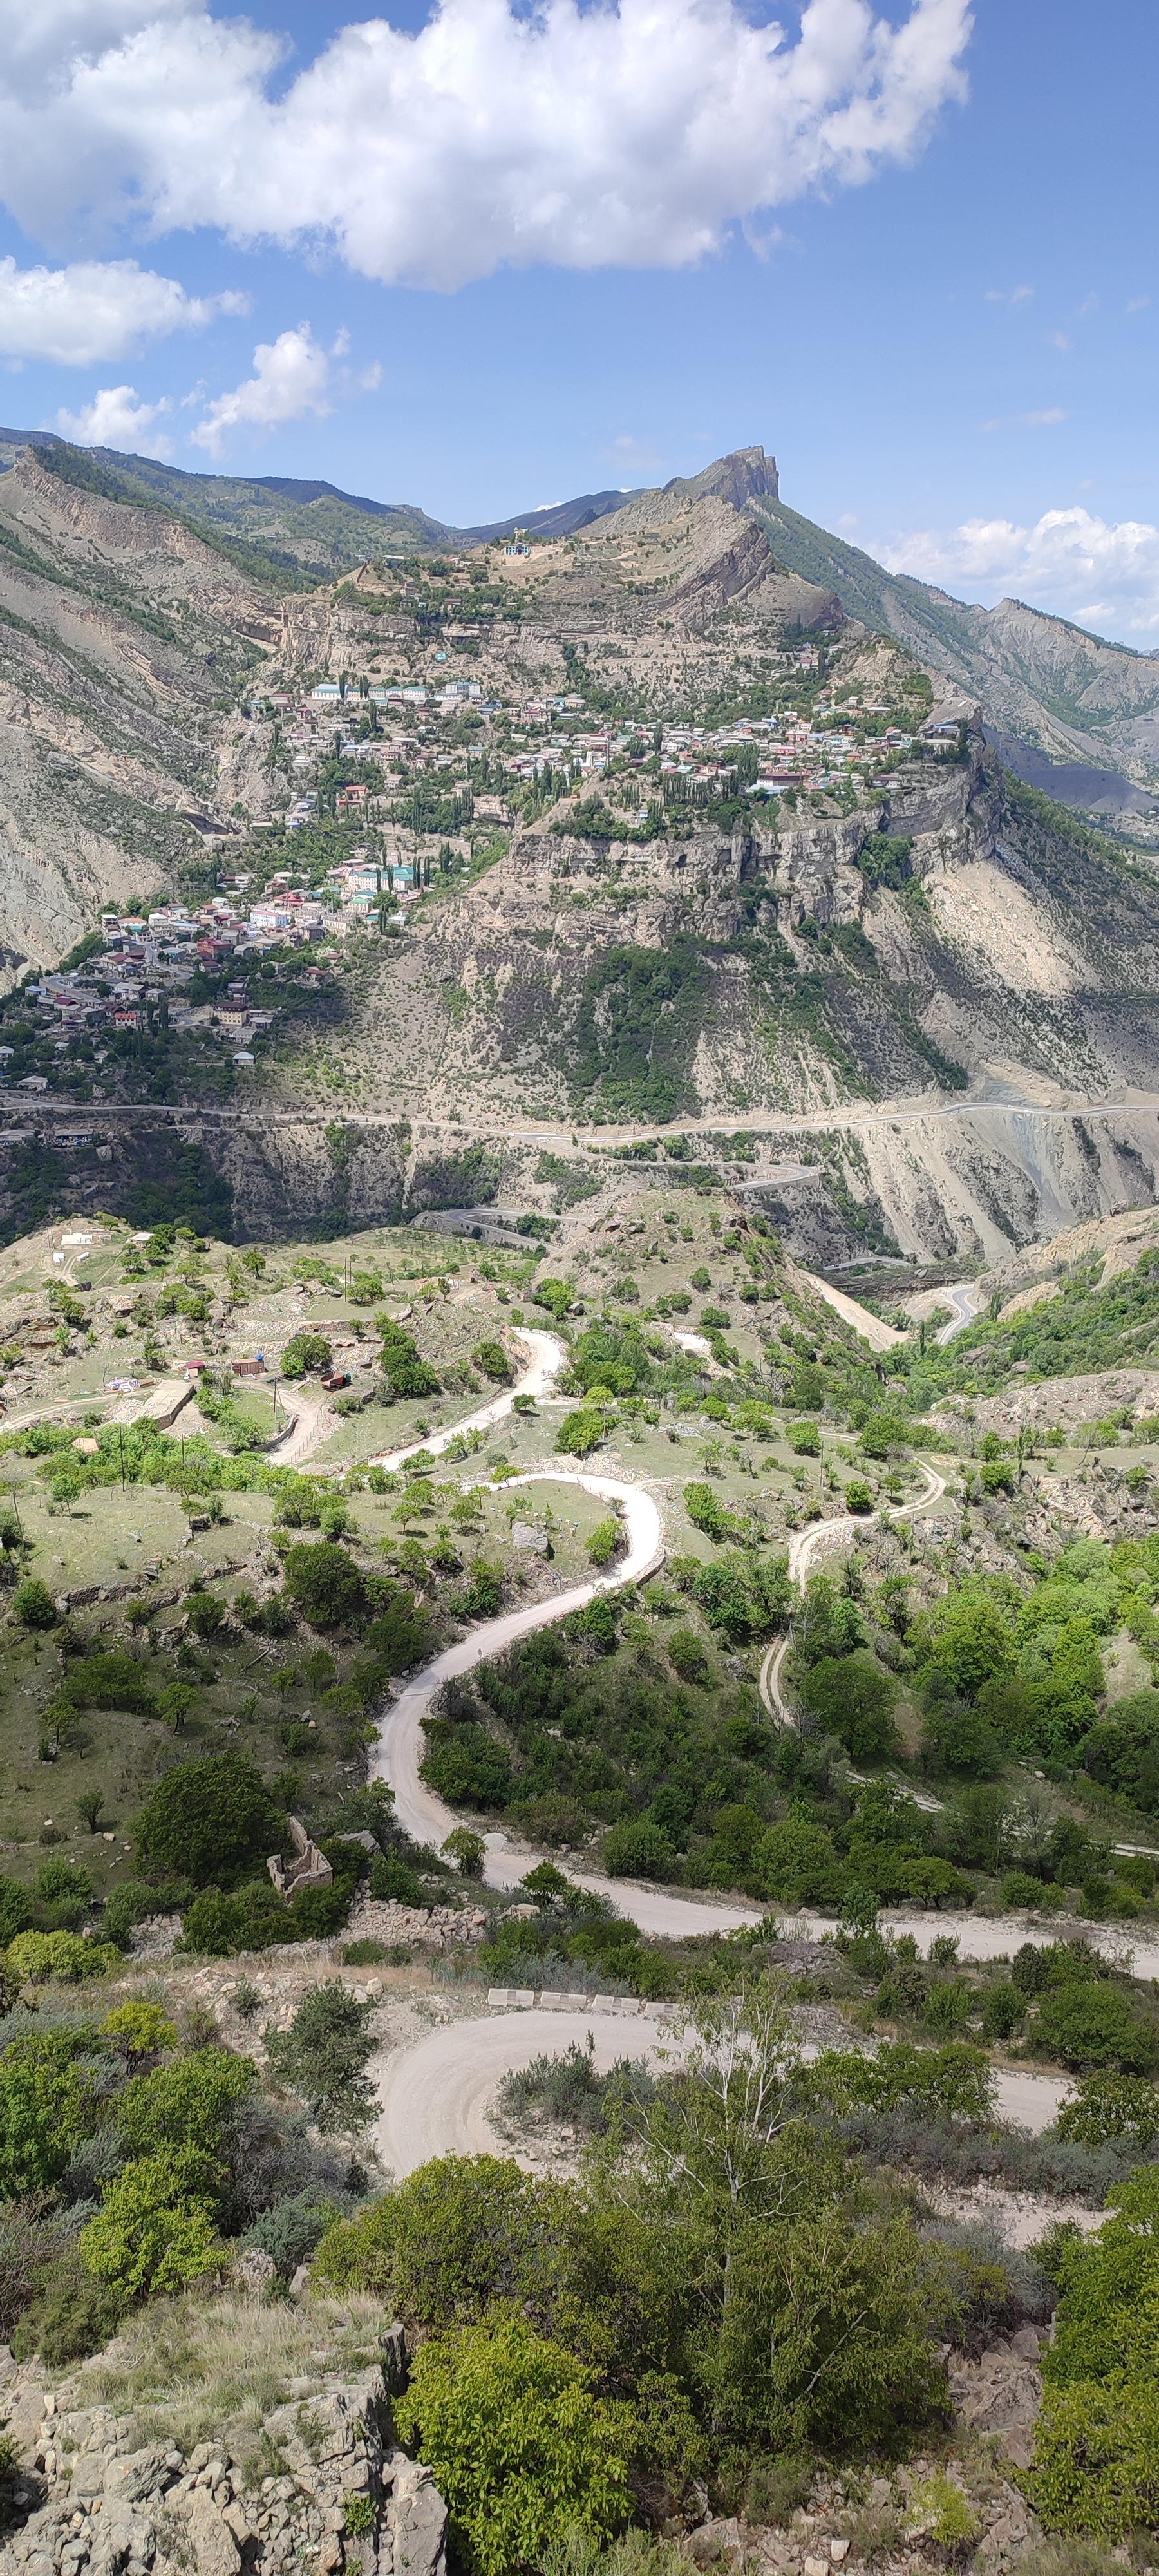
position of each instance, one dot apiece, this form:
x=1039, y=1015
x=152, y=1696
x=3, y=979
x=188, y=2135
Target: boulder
x=255, y=2271
x=416, y=2521
x=215, y=2550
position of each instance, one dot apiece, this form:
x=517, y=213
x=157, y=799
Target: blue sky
x=924, y=275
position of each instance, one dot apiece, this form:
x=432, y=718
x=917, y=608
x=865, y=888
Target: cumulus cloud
x=632, y=135
x=96, y=309
x=1100, y=573
x=115, y=418
x=291, y=376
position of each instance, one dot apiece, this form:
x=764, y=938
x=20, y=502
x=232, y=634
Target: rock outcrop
x=97, y=2498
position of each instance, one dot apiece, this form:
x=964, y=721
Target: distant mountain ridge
x=1070, y=711
x=1052, y=694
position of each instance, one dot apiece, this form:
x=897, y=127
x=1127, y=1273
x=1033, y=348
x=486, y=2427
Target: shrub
x=1091, y=2025
x=155, y=2231
x=854, y=1701
x=407, y=1373
x=290, y=2231
x=204, y=1612
x=636, y=1848
x=458, y=2235
x=1096, y=2463
x=212, y=1821
x=139, y=2028
x=858, y=1496
x=46, y=2108
x=398, y=1638
x=941, y=2507
x=185, y=2103
x=484, y=1594
x=304, y=1352
x=127, y=1906
x=1023, y=1894
x=34, y=1605
x=322, y=2057
x=465, y=1765
x=468, y=1849
x=804, y=1439
x=1096, y=2459
x=391, y=1882
x=519, y=2442
x=947, y=2004
x=952, y=2082
x=219, y=1924
x=703, y=1509
x=63, y=1894
x=595, y=1625
x=71, y=2316
x=604, y=1540
x=317, y=1912
x=492, y=1359
x=35, y=1956
x=685, y=1651
x=1002, y=2011
x=580, y=1432
x=113, y=1680
x=15, y=1909
x=326, y=1585
x=1109, y=2105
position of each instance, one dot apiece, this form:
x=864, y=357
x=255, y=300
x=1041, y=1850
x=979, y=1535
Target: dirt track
x=435, y=2095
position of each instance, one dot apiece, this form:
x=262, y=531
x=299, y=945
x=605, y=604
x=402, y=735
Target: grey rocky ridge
x=338, y=2491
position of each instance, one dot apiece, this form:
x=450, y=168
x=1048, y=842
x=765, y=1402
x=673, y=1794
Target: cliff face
x=765, y=971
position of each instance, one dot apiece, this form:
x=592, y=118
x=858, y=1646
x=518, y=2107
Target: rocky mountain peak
x=745, y=475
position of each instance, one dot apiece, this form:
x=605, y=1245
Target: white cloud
x=1100, y=573
x=291, y=376
x=1027, y=420
x=96, y=309
x=632, y=135
x=115, y=418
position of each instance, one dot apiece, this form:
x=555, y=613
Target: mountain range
x=1071, y=713
x=614, y=939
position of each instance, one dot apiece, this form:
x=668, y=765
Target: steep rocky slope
x=122, y=638
x=764, y=971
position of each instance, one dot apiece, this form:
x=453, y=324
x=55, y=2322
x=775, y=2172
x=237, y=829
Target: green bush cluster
x=724, y=2286
x=404, y=1369
x=1095, y=2470
x=177, y=2145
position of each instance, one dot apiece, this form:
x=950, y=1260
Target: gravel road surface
x=436, y=2094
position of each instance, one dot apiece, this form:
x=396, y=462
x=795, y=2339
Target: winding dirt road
x=547, y=1359
x=659, y=1913
x=436, y=2095
x=966, y=1303
x=808, y=1542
